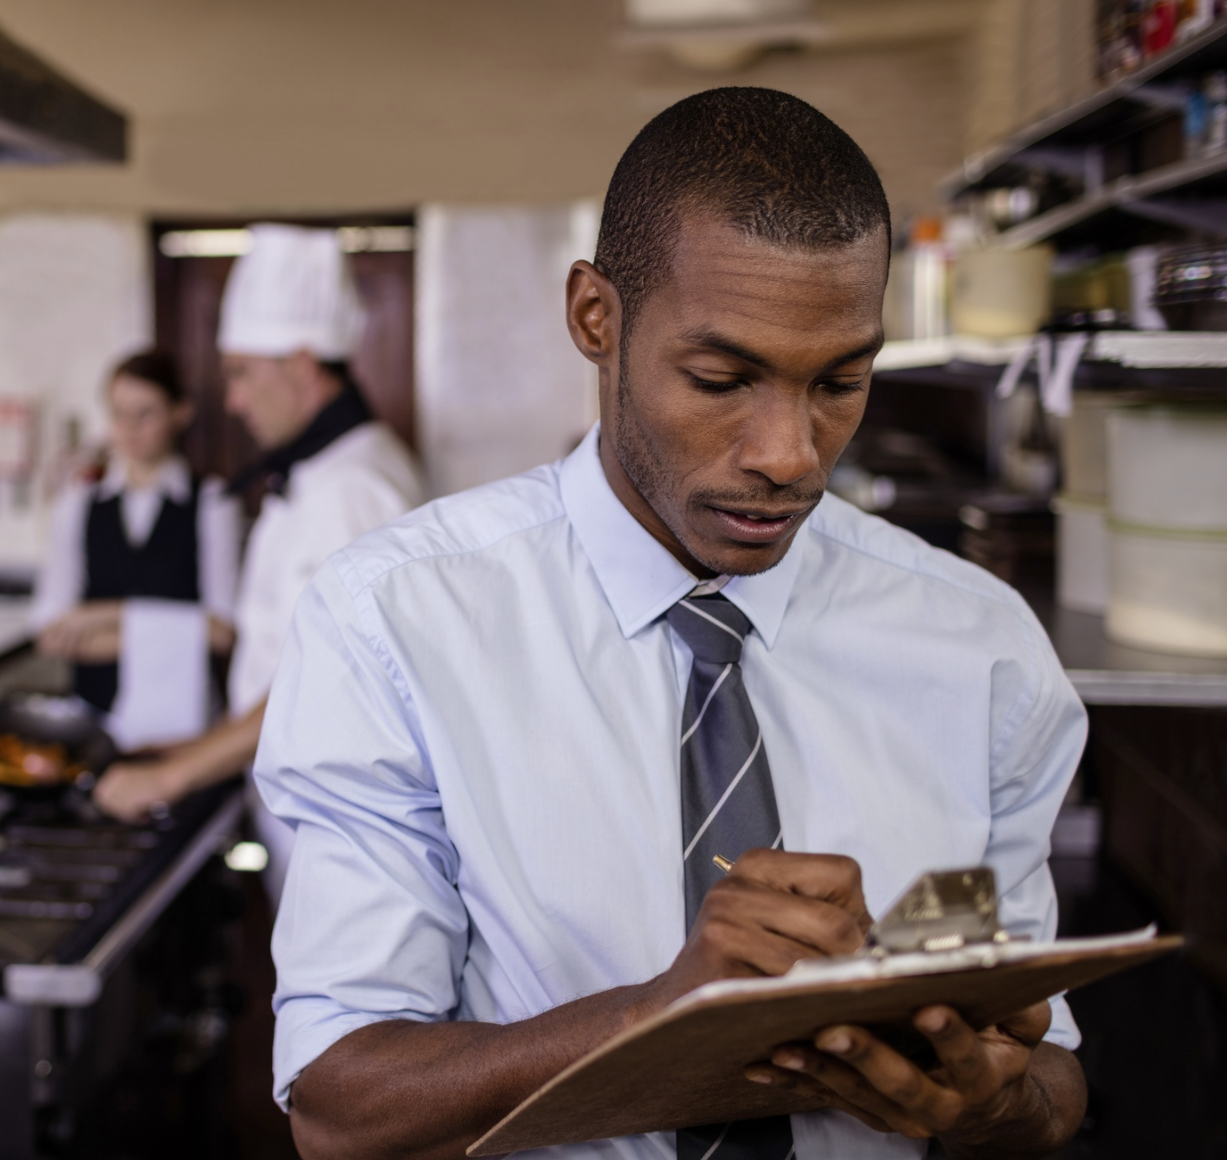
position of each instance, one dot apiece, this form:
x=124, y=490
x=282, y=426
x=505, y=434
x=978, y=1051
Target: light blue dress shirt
x=475, y=725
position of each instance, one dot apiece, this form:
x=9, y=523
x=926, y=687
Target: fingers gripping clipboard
x=686, y=1065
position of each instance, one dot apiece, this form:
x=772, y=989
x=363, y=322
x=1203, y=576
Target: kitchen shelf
x=1153, y=349
x=1091, y=141
x=1135, y=195
x=1106, y=673
x=910, y=354
x=1135, y=349
x=1122, y=107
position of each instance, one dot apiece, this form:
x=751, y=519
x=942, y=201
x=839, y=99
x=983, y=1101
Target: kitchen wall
x=488, y=111
x=500, y=385
x=318, y=106
x=74, y=298
x=1025, y=58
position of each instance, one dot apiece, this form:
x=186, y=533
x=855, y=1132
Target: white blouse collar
x=173, y=481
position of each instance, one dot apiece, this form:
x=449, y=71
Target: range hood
x=47, y=120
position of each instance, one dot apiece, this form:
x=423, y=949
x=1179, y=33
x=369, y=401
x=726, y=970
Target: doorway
x=191, y=261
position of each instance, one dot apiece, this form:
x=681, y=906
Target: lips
x=757, y=527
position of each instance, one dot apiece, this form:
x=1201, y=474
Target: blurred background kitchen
x=1052, y=404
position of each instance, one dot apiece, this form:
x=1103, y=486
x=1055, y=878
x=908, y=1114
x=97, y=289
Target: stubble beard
x=651, y=480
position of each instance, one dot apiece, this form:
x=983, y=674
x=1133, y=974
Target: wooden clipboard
x=685, y=1066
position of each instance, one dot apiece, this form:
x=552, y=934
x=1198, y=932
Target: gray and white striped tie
x=728, y=807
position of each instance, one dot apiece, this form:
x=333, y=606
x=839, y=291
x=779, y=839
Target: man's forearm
x=226, y=749
x=1048, y=1119
x=430, y=1089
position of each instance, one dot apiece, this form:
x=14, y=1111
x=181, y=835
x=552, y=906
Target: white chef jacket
x=475, y=729
x=362, y=479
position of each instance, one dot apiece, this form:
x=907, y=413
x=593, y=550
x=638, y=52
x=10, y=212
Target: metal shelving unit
x=1201, y=180
x=1131, y=349
x=1077, y=143
x=1107, y=673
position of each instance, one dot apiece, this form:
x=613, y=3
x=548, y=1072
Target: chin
x=739, y=560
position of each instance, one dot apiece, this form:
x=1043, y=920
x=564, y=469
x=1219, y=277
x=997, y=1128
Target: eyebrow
x=713, y=340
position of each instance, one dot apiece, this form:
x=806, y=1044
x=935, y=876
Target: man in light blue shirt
x=475, y=726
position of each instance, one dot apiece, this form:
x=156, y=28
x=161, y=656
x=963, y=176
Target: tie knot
x=712, y=627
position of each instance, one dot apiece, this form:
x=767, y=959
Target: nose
x=778, y=440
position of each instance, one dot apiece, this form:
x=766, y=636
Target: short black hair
x=761, y=160
x=156, y=367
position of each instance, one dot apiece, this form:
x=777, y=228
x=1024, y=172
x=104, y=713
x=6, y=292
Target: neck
x=326, y=387
x=138, y=473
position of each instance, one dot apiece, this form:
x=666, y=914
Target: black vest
x=164, y=567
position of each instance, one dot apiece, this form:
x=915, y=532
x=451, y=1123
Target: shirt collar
x=640, y=578
x=174, y=480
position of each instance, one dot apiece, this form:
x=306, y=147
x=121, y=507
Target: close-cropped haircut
x=760, y=160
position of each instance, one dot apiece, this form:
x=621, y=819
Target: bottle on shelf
x=1216, y=112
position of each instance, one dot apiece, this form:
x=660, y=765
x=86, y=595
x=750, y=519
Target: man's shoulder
x=370, y=456
x=366, y=449
x=886, y=547
x=468, y=523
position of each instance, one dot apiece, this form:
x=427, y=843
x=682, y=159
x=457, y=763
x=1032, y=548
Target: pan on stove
x=69, y=721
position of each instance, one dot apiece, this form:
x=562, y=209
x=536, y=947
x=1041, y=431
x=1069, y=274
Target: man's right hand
x=430, y=1089
x=772, y=909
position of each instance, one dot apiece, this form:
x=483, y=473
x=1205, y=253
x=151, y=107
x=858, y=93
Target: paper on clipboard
x=686, y=1065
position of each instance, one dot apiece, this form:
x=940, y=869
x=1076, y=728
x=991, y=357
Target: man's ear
x=302, y=366
x=594, y=313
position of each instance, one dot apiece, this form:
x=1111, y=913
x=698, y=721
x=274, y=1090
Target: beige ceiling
x=260, y=106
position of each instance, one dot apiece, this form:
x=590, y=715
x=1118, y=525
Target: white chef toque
x=293, y=290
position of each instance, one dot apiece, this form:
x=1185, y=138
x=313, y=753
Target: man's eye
x=716, y=387
x=835, y=387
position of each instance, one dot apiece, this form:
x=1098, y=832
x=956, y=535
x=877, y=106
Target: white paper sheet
x=163, y=693
x=857, y=968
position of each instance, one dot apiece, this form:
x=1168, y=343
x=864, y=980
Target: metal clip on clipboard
x=943, y=910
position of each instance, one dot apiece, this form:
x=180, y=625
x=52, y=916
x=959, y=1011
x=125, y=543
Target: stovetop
x=67, y=874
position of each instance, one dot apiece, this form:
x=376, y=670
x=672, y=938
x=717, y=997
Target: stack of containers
x=1167, y=523
x=1081, y=508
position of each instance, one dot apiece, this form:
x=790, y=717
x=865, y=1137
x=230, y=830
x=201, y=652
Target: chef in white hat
x=290, y=321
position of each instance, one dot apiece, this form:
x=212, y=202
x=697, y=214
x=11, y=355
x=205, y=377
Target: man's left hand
x=134, y=790
x=983, y=1097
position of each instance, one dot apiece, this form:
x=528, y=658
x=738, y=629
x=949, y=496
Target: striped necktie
x=728, y=807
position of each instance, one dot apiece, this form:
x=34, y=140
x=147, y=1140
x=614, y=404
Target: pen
x=724, y=864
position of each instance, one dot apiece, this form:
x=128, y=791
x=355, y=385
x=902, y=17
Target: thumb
x=1029, y=1025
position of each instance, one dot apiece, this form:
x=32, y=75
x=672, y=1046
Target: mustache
x=766, y=498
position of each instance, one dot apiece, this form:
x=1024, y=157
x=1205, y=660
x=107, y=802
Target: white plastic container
x=1082, y=554
x=1001, y=293
x=1167, y=467
x=1168, y=590
x=1084, y=443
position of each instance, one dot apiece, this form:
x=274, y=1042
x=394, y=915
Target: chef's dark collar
x=347, y=411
